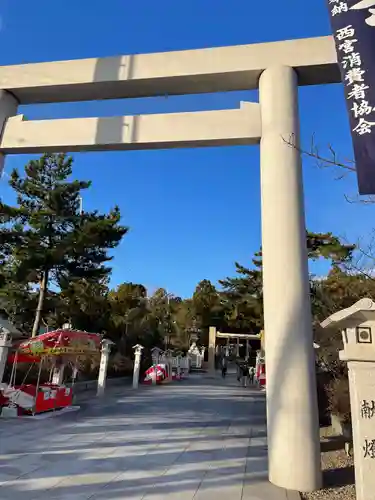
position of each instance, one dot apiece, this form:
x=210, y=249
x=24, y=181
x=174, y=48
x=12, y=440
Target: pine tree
x=243, y=294
x=47, y=238
x=243, y=297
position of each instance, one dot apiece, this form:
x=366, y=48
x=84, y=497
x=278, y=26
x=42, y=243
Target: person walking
x=251, y=374
x=224, y=366
x=245, y=373
x=238, y=367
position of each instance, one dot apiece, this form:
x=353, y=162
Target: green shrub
x=322, y=380
x=339, y=398
x=120, y=365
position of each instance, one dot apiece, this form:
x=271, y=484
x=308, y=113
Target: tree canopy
x=46, y=239
x=55, y=268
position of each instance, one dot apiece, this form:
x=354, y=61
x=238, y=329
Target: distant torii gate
x=214, y=334
x=276, y=69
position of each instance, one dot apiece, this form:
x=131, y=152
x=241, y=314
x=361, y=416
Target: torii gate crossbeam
x=217, y=69
x=171, y=130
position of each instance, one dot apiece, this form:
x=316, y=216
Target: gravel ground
x=338, y=472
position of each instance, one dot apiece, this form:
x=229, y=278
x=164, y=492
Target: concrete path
x=200, y=439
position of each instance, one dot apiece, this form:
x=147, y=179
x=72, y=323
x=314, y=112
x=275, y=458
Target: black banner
x=353, y=26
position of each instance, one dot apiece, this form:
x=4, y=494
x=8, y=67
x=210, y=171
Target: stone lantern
x=357, y=325
x=104, y=359
x=137, y=364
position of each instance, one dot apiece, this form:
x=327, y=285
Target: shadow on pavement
x=201, y=435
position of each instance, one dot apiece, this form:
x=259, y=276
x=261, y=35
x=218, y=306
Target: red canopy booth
x=62, y=347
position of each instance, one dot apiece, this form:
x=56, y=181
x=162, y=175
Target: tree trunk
x=39, y=309
x=122, y=345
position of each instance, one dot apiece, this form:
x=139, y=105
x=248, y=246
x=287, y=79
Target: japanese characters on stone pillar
x=353, y=25
x=357, y=324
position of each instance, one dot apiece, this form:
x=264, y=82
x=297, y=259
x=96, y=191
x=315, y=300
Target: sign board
x=353, y=26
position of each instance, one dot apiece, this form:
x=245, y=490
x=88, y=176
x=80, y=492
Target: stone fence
x=91, y=385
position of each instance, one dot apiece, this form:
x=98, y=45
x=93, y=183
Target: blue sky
x=192, y=213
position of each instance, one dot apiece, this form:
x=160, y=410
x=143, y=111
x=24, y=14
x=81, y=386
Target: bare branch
x=344, y=168
x=363, y=262
x=324, y=161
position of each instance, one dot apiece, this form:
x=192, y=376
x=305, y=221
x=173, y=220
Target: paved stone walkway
x=200, y=439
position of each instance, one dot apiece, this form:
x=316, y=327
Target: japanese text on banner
x=353, y=27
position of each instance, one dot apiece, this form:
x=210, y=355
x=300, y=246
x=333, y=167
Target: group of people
x=245, y=371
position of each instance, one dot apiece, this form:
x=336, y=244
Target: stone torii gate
x=214, y=334
x=276, y=69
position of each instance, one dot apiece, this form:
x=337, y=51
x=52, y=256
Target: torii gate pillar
x=8, y=108
x=292, y=411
